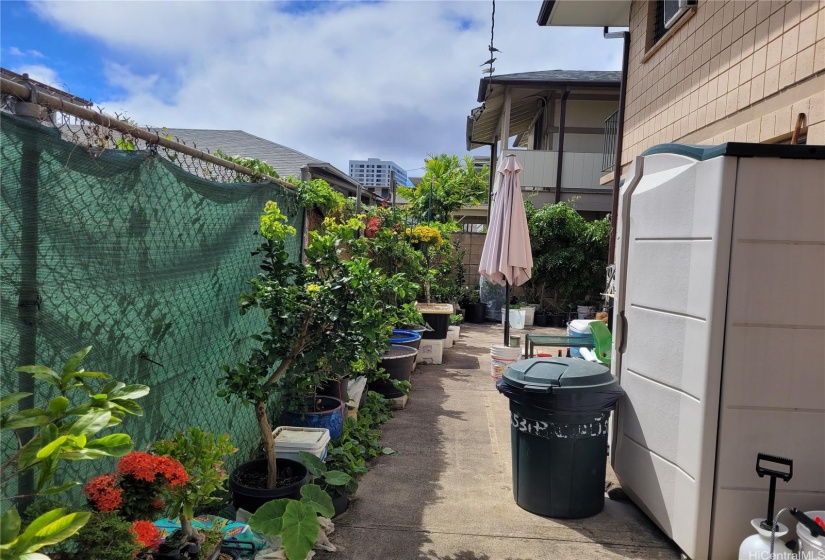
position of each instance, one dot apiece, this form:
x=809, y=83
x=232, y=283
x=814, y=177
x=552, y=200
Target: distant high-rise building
x=374, y=174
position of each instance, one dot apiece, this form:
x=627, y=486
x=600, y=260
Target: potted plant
x=540, y=317
x=202, y=455
x=330, y=314
x=475, y=309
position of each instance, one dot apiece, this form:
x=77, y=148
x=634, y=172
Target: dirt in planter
x=257, y=479
x=323, y=405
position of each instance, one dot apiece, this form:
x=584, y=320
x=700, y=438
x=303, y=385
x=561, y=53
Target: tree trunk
x=269, y=443
x=189, y=531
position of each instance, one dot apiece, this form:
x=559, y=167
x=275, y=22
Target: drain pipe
x=617, y=164
x=560, y=164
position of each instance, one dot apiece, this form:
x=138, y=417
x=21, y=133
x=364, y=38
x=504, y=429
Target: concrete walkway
x=448, y=493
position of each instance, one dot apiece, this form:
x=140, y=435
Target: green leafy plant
x=295, y=521
x=331, y=480
x=360, y=442
x=317, y=193
x=456, y=319
x=256, y=165
x=569, y=255
x=448, y=184
x=107, y=535
x=78, y=408
x=409, y=315
x=50, y=528
x=202, y=455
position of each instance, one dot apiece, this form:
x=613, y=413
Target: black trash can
x=559, y=412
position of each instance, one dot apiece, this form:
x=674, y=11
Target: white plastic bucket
x=810, y=546
x=290, y=441
x=517, y=317
x=529, y=315
x=500, y=359
x=585, y=311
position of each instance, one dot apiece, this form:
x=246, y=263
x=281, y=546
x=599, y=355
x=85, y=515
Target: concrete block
x=430, y=351
x=399, y=403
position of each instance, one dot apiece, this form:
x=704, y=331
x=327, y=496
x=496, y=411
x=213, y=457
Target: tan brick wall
x=734, y=71
x=473, y=244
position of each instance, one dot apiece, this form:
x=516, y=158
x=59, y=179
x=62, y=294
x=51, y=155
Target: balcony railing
x=580, y=171
x=611, y=129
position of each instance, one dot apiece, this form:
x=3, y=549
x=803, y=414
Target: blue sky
x=336, y=80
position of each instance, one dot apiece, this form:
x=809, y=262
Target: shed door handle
x=623, y=342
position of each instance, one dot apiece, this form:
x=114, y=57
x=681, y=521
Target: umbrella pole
x=506, y=313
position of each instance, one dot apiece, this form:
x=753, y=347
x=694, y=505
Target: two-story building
x=713, y=71
x=554, y=121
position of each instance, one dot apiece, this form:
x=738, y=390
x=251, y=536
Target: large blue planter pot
x=406, y=338
x=332, y=418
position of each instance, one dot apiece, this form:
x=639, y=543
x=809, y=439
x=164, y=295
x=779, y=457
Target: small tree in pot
x=331, y=310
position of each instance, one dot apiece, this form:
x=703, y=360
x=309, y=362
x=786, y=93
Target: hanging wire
x=490, y=69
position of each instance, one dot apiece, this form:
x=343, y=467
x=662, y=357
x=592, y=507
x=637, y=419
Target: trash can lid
x=559, y=375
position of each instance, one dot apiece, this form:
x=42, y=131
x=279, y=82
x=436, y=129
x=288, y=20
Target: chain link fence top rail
x=143, y=261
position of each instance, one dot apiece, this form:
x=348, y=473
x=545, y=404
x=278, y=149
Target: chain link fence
x=138, y=251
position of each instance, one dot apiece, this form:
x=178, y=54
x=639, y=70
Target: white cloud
x=393, y=80
x=14, y=51
x=35, y=53
x=41, y=73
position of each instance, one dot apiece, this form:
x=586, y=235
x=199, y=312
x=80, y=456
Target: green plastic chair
x=603, y=341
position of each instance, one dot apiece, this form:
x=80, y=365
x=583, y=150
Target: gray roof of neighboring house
x=286, y=161
x=580, y=78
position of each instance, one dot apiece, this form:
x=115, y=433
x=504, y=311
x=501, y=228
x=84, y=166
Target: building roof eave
x=593, y=13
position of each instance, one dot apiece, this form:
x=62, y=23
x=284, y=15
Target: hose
x=773, y=530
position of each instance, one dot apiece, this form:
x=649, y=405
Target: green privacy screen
x=141, y=260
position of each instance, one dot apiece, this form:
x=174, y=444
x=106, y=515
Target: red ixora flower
x=103, y=493
x=372, y=228
x=147, y=467
x=146, y=533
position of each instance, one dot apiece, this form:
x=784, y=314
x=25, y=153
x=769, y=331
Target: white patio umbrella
x=506, y=258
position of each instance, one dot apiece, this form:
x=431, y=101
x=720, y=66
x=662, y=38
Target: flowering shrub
x=424, y=234
x=104, y=494
x=371, y=230
x=137, y=488
x=148, y=467
x=146, y=533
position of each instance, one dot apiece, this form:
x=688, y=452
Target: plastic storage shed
x=718, y=338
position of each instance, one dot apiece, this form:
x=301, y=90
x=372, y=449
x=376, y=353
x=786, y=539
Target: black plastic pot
x=439, y=322
x=540, y=319
x=251, y=499
x=397, y=362
x=556, y=320
x=475, y=313
x=340, y=503
x=336, y=388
